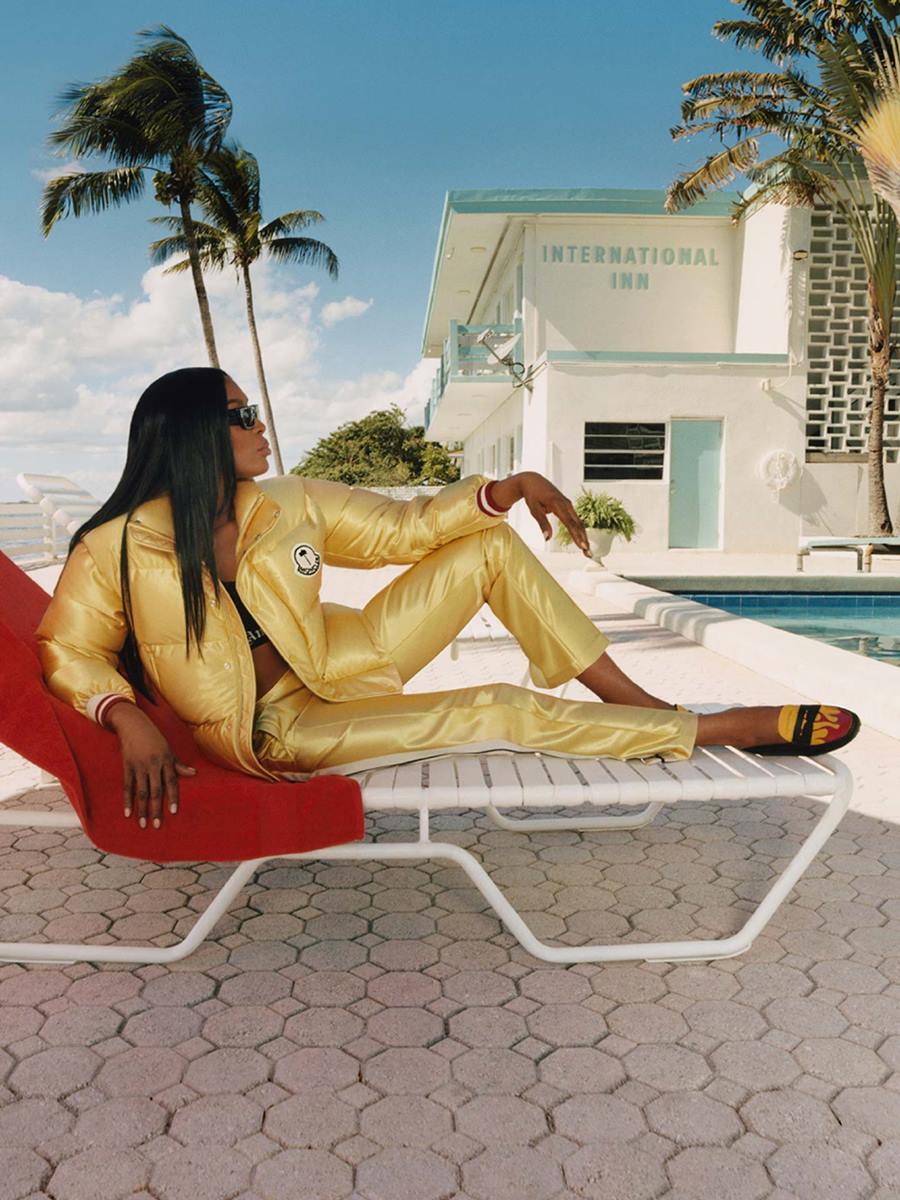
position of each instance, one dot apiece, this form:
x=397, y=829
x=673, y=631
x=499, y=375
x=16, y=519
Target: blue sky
x=368, y=112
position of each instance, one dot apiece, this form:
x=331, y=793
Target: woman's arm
x=542, y=497
x=81, y=634
x=367, y=529
x=79, y=639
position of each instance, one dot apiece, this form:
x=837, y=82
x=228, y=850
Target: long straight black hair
x=179, y=444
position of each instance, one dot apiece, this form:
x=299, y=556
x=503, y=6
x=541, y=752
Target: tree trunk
x=260, y=373
x=880, y=349
x=199, y=285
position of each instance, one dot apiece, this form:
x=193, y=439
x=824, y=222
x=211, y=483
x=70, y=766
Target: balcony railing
x=468, y=360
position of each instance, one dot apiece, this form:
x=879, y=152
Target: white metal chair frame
x=29, y=536
x=65, y=504
x=863, y=547
x=515, y=779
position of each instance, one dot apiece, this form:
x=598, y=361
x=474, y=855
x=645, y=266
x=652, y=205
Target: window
x=492, y=467
x=624, y=450
x=511, y=451
x=518, y=455
x=518, y=287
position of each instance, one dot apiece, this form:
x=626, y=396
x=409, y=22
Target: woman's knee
x=496, y=543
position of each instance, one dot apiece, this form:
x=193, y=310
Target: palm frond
x=89, y=191
x=290, y=222
x=718, y=169
x=847, y=79
x=167, y=54
x=159, y=104
x=93, y=125
x=236, y=171
x=776, y=43
x=165, y=248
x=219, y=207
x=161, y=35
x=213, y=254
x=749, y=83
x=879, y=137
x=177, y=226
x=304, y=250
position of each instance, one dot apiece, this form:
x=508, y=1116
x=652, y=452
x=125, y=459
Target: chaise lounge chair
x=65, y=504
x=231, y=817
x=862, y=545
x=29, y=537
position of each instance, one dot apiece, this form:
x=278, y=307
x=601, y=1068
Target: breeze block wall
x=838, y=380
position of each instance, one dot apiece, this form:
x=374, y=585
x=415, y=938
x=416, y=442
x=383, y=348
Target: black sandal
x=813, y=727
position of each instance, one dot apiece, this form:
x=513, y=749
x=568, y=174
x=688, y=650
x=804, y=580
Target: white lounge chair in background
x=862, y=545
x=29, y=536
x=65, y=503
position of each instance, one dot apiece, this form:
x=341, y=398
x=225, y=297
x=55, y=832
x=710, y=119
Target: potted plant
x=604, y=517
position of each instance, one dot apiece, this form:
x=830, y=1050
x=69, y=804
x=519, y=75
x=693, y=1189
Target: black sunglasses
x=245, y=416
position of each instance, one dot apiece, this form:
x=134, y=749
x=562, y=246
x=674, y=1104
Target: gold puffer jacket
x=287, y=528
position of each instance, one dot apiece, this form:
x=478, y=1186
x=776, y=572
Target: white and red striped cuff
x=98, y=706
x=485, y=502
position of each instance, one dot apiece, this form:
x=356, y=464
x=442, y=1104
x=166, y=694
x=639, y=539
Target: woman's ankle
x=741, y=727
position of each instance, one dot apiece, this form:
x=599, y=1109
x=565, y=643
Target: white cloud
x=46, y=174
x=72, y=369
x=340, y=310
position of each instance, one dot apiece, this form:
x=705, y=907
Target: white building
x=662, y=358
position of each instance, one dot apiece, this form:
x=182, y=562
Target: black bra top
x=255, y=635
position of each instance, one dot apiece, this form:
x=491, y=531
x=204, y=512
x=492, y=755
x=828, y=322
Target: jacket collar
x=253, y=508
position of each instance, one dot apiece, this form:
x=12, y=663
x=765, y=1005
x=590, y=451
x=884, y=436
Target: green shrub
x=599, y=510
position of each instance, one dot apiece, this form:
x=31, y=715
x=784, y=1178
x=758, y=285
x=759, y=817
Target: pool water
x=865, y=624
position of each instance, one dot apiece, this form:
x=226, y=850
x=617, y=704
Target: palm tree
x=161, y=113
x=228, y=192
x=818, y=124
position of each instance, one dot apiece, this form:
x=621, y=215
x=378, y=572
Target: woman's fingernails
x=173, y=808
x=142, y=822
x=156, y=822
x=127, y=812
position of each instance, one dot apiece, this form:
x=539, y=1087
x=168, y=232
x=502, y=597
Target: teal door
x=694, y=456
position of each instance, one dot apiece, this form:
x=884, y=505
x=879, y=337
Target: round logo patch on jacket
x=306, y=559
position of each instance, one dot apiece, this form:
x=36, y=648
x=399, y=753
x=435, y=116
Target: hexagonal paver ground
x=359, y=1030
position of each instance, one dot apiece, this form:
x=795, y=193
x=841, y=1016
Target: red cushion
x=224, y=816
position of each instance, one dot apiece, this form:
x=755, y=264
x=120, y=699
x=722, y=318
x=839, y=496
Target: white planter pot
x=600, y=542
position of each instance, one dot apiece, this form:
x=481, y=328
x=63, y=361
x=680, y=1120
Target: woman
x=197, y=582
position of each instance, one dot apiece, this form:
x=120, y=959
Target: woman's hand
x=151, y=769
x=543, y=497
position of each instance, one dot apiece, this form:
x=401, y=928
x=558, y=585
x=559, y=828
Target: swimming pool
x=867, y=624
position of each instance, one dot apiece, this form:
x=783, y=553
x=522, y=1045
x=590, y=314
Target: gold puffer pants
x=417, y=615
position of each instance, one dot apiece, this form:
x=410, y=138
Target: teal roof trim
x=584, y=200
x=438, y=254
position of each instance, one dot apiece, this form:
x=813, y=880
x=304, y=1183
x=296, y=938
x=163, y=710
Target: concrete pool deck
x=375, y=1032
